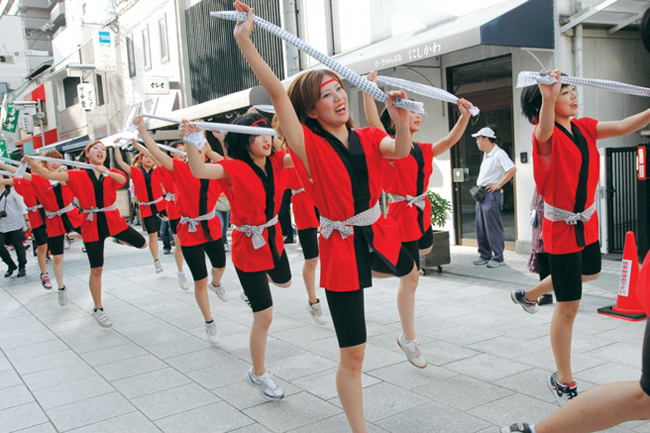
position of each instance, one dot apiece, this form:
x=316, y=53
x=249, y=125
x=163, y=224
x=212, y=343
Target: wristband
x=196, y=139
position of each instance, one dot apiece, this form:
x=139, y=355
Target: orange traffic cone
x=643, y=290
x=628, y=306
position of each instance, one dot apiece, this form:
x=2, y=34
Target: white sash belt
x=555, y=214
x=346, y=228
x=60, y=212
x=149, y=203
x=194, y=222
x=417, y=201
x=93, y=210
x=255, y=232
x=34, y=208
x=297, y=191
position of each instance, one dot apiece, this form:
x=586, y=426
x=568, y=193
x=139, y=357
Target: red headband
x=327, y=82
x=258, y=121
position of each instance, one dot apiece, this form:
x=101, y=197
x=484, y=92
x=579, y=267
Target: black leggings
x=195, y=258
x=39, y=234
x=95, y=250
x=567, y=271
x=256, y=284
x=348, y=315
x=14, y=238
x=309, y=242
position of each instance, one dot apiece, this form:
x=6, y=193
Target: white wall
x=12, y=44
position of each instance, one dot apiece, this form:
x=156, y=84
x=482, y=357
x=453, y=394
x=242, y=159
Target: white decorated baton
x=361, y=82
x=7, y=173
x=265, y=108
x=9, y=161
x=221, y=127
x=529, y=78
x=64, y=161
x=170, y=149
x=424, y=90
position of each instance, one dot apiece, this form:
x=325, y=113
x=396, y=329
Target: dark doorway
x=622, y=210
x=488, y=85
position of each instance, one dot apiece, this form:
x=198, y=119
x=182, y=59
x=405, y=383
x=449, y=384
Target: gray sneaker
x=481, y=262
x=63, y=296
x=220, y=291
x=519, y=297
x=265, y=385
x=520, y=427
x=158, y=266
x=102, y=319
x=494, y=264
x=182, y=280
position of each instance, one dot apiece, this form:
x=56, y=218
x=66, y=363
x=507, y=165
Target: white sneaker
x=316, y=312
x=158, y=266
x=102, y=319
x=265, y=385
x=220, y=291
x=182, y=280
x=211, y=332
x=63, y=296
x=413, y=352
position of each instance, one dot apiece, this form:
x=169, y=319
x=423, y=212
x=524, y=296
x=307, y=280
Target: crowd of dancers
x=336, y=174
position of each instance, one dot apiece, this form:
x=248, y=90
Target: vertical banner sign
x=11, y=120
x=641, y=154
x=104, y=47
x=626, y=273
x=86, y=92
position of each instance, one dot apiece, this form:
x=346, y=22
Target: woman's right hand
x=372, y=76
x=551, y=91
x=187, y=128
x=244, y=28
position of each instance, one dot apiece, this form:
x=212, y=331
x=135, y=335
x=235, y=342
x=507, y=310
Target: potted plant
x=440, y=253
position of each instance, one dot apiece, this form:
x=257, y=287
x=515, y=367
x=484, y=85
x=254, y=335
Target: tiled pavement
x=154, y=371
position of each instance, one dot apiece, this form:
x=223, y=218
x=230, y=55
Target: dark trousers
x=16, y=239
x=166, y=235
x=489, y=230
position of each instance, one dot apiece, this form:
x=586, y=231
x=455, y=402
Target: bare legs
x=259, y=333
x=41, y=256
x=309, y=276
x=58, y=271
x=178, y=254
x=153, y=245
x=348, y=385
x=95, y=283
x=598, y=409
x=202, y=298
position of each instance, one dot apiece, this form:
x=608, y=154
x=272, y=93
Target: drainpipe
x=577, y=53
x=290, y=24
x=184, y=63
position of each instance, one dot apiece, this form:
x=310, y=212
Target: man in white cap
x=496, y=170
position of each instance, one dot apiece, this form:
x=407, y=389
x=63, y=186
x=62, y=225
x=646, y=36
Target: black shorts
x=309, y=242
x=567, y=271
x=173, y=224
x=56, y=244
x=645, y=361
x=195, y=257
x=256, y=284
x=348, y=315
x=151, y=224
x=426, y=241
x=405, y=262
x=95, y=250
x=39, y=234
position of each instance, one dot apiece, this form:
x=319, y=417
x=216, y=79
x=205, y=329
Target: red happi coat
x=54, y=198
x=557, y=180
x=255, y=198
x=170, y=187
x=26, y=190
x=304, y=211
x=88, y=189
x=147, y=188
x=196, y=197
x=410, y=176
x=339, y=184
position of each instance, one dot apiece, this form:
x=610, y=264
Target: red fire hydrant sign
x=641, y=162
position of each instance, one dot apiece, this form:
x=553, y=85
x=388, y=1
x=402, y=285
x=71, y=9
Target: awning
x=516, y=23
x=66, y=145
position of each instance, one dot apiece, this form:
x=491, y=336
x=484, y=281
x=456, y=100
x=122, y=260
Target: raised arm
x=370, y=106
x=37, y=168
x=196, y=158
x=623, y=127
x=458, y=130
x=289, y=122
x=400, y=146
x=120, y=160
x=544, y=130
x=143, y=150
x=212, y=155
x=155, y=151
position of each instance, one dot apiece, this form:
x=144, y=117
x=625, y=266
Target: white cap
x=485, y=132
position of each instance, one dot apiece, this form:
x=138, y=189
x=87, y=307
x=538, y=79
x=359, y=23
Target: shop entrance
x=488, y=85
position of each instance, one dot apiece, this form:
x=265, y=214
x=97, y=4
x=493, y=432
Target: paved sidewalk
x=154, y=371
